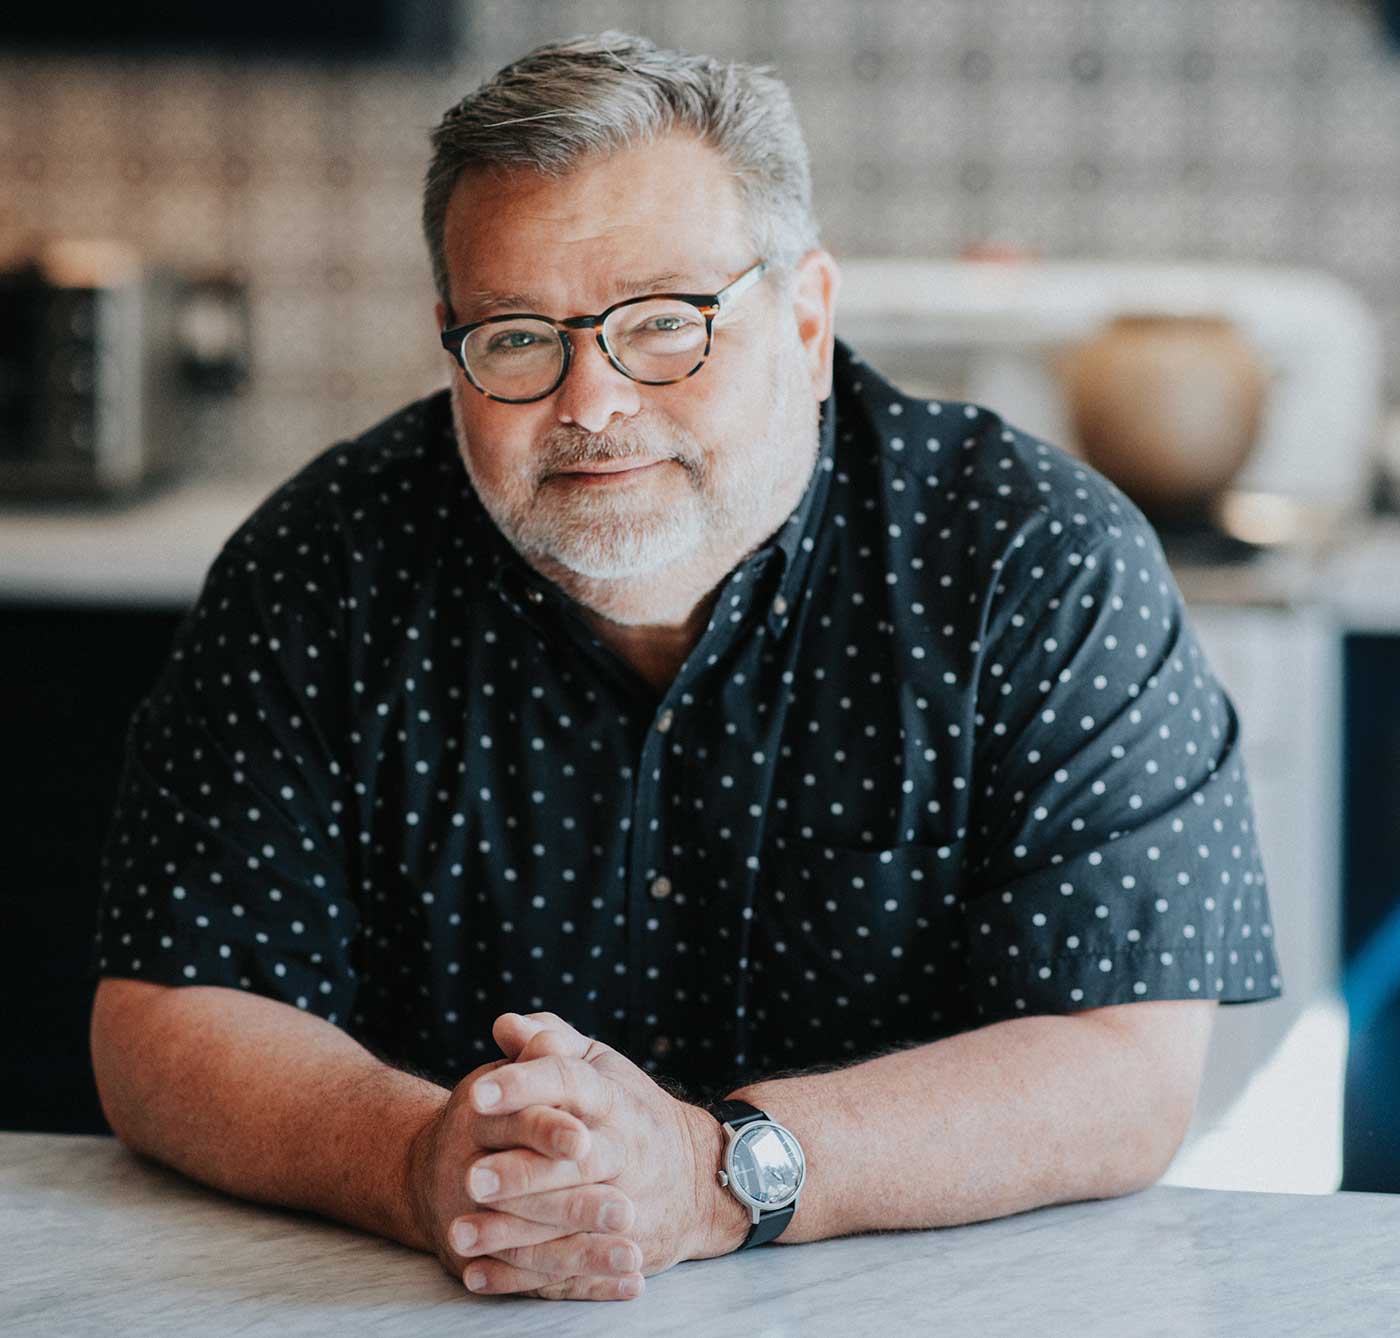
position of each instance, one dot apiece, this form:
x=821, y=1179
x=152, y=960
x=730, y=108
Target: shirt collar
x=792, y=544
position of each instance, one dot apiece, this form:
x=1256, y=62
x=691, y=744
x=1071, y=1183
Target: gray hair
x=551, y=108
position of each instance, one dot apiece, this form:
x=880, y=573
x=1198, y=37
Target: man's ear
x=815, y=282
x=441, y=312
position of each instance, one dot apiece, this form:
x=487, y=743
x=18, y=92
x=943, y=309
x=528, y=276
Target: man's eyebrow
x=485, y=299
x=477, y=302
x=657, y=283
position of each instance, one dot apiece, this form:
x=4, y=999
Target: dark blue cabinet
x=1371, y=913
x=69, y=680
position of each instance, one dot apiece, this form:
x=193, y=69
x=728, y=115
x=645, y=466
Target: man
x=680, y=708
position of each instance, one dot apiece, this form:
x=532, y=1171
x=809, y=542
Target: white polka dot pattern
x=947, y=752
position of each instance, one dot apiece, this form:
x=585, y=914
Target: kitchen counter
x=156, y=551
x=1362, y=579
x=149, y=551
x=97, y=1241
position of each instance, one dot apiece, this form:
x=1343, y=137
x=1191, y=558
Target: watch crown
x=723, y=1179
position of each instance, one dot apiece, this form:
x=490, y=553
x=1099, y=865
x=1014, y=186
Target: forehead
x=669, y=207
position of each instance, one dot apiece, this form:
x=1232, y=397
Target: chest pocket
x=853, y=949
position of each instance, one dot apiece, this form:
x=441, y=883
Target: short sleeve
x=1114, y=856
x=226, y=860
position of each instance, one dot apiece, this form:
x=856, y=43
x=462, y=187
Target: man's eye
x=665, y=325
x=513, y=341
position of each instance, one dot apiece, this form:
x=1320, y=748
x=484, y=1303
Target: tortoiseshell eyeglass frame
x=709, y=306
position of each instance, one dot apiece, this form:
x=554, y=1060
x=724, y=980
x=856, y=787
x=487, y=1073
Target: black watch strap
x=770, y=1225
x=737, y=1113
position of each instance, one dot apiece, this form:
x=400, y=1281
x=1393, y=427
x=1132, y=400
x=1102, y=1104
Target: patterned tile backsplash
x=1264, y=131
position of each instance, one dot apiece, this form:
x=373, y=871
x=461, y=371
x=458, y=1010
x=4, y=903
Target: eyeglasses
x=658, y=340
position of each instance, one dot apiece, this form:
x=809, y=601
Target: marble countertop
x=97, y=1241
x=153, y=550
x=1362, y=579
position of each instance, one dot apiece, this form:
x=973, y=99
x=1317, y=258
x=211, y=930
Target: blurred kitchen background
x=212, y=269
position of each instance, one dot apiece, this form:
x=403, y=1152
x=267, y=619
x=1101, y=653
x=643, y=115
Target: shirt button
x=780, y=606
x=661, y=1046
x=661, y=887
x=663, y=722
x=535, y=596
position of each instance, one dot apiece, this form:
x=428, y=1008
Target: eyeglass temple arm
x=742, y=284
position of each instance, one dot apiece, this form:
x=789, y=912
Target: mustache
x=564, y=448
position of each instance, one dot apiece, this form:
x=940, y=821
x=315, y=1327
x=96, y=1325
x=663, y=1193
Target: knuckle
x=609, y=1095
x=583, y=1081
x=540, y=1127
x=542, y=1045
x=516, y=1179
x=559, y=1070
x=524, y=1257
x=551, y=1259
x=579, y=1211
x=588, y=1203
x=612, y=1156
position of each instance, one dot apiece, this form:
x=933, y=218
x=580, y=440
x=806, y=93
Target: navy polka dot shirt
x=947, y=753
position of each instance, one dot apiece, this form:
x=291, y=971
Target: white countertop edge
x=157, y=552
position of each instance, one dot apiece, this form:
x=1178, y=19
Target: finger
x=548, y=1041
x=540, y=1128
x=550, y=1081
x=625, y=1288
x=513, y=1032
x=555, y=1261
x=579, y=1045
x=535, y=1217
x=518, y=1171
x=581, y=1255
x=498, y=1277
x=489, y=1233
x=547, y=1019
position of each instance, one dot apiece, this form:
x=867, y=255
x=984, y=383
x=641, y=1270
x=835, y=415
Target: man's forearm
x=266, y=1102
x=1012, y=1116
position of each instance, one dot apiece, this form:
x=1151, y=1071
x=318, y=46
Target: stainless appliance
x=101, y=356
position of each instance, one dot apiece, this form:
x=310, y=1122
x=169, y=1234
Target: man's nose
x=594, y=390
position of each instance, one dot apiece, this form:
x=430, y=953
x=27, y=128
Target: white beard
x=616, y=538
x=604, y=535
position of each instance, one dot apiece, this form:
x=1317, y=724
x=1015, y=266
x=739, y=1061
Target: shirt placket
x=661, y=907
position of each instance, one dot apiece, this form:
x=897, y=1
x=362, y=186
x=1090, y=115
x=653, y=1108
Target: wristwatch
x=764, y=1168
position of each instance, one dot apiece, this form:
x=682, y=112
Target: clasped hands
x=564, y=1171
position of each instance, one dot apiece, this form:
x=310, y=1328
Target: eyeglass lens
x=659, y=339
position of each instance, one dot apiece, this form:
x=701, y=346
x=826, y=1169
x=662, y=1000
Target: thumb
x=511, y=1032
x=526, y=1038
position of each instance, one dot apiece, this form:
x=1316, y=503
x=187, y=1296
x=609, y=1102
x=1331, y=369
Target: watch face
x=767, y=1165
